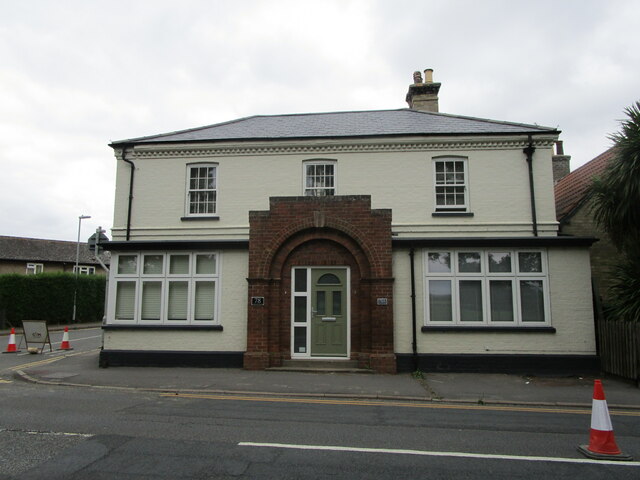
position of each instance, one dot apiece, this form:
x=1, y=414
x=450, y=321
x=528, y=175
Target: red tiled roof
x=572, y=189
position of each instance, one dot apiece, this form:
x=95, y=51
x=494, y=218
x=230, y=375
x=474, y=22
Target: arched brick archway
x=320, y=232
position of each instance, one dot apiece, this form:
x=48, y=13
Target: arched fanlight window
x=328, y=279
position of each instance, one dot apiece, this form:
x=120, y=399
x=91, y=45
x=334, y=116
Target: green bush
x=49, y=296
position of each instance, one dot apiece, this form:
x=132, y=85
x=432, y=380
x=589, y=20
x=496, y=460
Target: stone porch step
x=321, y=366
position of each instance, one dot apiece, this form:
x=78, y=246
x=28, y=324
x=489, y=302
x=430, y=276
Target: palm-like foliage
x=616, y=205
x=624, y=302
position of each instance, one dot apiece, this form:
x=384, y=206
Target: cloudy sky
x=76, y=75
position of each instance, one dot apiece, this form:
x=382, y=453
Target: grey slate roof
x=371, y=123
x=39, y=250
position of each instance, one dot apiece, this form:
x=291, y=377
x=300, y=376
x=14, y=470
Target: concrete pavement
x=81, y=369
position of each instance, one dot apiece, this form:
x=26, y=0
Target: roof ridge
x=12, y=237
x=490, y=120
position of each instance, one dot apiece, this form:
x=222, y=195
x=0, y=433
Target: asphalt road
x=53, y=432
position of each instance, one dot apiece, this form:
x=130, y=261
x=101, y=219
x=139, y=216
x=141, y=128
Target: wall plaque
x=257, y=301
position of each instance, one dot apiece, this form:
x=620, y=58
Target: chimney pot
x=428, y=75
x=417, y=77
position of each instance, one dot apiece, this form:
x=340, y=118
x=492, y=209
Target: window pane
x=127, y=264
x=300, y=309
x=320, y=303
x=152, y=264
x=469, y=262
x=328, y=279
x=125, y=300
x=179, y=265
x=501, y=298
x=205, y=300
x=530, y=262
x=206, y=264
x=499, y=262
x=300, y=339
x=470, y=300
x=300, y=281
x=532, y=300
x=151, y=300
x=178, y=300
x=337, y=303
x=439, y=262
x=440, y=304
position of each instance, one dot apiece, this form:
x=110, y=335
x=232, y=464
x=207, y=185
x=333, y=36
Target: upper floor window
x=84, y=270
x=451, y=184
x=33, y=268
x=319, y=178
x=202, y=192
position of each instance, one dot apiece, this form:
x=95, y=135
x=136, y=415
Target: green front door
x=329, y=316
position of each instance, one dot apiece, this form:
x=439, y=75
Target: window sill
x=162, y=327
x=470, y=328
x=452, y=214
x=203, y=217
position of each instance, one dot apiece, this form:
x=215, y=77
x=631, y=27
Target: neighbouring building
x=573, y=211
x=394, y=239
x=35, y=255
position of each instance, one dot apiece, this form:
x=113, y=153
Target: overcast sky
x=76, y=75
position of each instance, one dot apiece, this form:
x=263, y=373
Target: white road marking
x=440, y=454
x=59, y=434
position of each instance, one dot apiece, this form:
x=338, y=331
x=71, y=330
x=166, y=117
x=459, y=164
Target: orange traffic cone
x=65, y=340
x=602, y=443
x=11, y=347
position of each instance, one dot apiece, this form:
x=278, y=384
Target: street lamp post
x=75, y=290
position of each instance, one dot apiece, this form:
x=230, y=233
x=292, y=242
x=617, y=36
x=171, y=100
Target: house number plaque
x=257, y=301
x=383, y=301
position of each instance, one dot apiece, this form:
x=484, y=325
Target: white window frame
x=189, y=190
x=84, y=270
x=139, y=277
x=455, y=276
x=315, y=191
x=444, y=185
x=34, y=268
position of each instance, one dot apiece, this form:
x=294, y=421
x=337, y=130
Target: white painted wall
x=399, y=177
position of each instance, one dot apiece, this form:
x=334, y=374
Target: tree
x=616, y=194
x=616, y=208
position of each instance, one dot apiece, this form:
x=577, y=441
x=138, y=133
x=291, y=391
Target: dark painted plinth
x=517, y=364
x=153, y=358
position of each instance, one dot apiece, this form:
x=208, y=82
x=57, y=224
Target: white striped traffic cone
x=65, y=340
x=602, y=443
x=11, y=347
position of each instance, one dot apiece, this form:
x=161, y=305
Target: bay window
x=486, y=287
x=166, y=288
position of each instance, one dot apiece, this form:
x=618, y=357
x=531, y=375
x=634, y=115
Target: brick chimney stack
x=560, y=163
x=423, y=95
